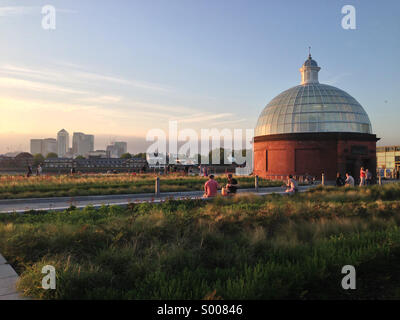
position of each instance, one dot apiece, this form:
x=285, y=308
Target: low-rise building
x=117, y=149
x=95, y=165
x=388, y=159
x=98, y=154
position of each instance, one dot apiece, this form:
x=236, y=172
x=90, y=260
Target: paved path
x=62, y=203
x=8, y=280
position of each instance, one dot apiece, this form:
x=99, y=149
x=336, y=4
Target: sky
x=117, y=69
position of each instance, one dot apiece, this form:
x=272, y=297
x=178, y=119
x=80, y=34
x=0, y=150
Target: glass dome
x=312, y=107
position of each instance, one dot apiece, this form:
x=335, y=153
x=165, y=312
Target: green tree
x=222, y=158
x=140, y=155
x=38, y=159
x=52, y=155
x=126, y=156
x=80, y=157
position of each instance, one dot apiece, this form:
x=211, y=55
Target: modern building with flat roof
x=36, y=146
x=82, y=144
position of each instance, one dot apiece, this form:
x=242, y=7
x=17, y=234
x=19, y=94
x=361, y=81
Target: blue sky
x=119, y=68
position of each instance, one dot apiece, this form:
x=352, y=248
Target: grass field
x=248, y=247
x=14, y=187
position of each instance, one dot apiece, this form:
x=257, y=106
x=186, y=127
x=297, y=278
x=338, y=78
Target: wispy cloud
x=14, y=83
x=336, y=79
x=75, y=76
x=27, y=10
x=227, y=122
x=99, y=77
x=60, y=96
x=202, y=117
x=102, y=99
x=17, y=11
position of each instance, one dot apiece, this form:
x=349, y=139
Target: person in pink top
x=362, y=176
x=210, y=187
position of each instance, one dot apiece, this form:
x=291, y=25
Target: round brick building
x=313, y=128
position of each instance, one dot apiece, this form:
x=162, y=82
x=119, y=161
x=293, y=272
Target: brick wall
x=314, y=155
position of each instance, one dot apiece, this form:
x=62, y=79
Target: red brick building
x=313, y=129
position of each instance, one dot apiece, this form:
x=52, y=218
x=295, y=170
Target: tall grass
x=248, y=247
x=12, y=187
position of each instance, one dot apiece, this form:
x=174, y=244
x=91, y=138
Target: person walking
x=349, y=181
x=362, y=177
x=210, y=187
x=29, y=172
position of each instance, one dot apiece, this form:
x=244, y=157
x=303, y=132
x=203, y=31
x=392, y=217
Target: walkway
x=62, y=203
x=8, y=280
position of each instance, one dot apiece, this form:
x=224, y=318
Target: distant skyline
x=118, y=69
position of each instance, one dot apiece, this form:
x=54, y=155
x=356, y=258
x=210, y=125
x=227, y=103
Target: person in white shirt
x=349, y=181
x=39, y=170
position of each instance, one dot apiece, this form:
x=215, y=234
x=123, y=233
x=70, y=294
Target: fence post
x=256, y=183
x=157, y=187
x=380, y=180
x=323, y=179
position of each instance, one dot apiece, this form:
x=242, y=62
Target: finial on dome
x=309, y=70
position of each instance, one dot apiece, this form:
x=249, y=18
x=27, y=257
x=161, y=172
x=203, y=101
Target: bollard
x=256, y=183
x=157, y=187
x=323, y=179
x=380, y=180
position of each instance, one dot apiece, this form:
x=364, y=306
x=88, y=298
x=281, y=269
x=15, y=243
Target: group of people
x=365, y=179
x=30, y=171
x=211, y=187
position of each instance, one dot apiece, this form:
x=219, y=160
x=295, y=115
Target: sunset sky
x=117, y=69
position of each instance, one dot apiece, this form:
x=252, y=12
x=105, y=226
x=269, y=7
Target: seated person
x=291, y=186
x=349, y=181
x=210, y=187
x=339, y=180
x=368, y=176
x=232, y=185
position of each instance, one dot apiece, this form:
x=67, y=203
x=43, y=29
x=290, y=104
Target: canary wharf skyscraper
x=62, y=143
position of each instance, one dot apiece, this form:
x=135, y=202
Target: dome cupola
x=309, y=71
